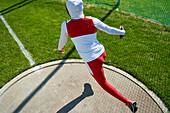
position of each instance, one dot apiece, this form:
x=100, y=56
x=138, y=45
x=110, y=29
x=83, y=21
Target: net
x=156, y=10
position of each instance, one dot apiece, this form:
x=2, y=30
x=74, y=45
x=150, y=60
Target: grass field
x=144, y=51
x=157, y=10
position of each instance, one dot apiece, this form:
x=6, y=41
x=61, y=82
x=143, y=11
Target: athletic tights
x=96, y=70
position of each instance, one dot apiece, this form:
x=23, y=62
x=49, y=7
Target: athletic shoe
x=133, y=106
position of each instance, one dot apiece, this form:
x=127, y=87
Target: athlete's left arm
x=110, y=30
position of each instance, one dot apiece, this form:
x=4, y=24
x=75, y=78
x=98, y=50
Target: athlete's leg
x=97, y=72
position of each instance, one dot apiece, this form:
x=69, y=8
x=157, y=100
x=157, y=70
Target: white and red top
x=83, y=33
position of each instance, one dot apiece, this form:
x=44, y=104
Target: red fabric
x=80, y=27
x=98, y=74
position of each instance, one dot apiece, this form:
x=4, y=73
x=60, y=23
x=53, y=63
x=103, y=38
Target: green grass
x=143, y=52
x=12, y=60
x=157, y=10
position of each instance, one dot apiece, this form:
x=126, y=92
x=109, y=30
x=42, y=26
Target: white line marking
x=25, y=52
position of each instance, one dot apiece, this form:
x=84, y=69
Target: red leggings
x=96, y=70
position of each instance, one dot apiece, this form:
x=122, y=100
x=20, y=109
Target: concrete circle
x=67, y=86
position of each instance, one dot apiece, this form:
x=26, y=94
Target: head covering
x=75, y=8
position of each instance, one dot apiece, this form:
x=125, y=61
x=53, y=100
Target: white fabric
x=89, y=68
x=110, y=30
x=63, y=36
x=88, y=47
x=100, y=25
x=75, y=8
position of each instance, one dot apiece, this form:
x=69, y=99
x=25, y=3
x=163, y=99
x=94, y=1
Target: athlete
x=83, y=32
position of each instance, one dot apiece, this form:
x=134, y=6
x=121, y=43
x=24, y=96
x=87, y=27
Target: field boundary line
x=24, y=51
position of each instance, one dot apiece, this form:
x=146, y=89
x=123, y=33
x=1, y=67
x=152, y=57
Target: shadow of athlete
x=83, y=33
x=115, y=7
x=43, y=83
x=15, y=6
x=86, y=93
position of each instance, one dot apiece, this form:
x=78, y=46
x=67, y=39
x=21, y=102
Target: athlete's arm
x=110, y=30
x=63, y=38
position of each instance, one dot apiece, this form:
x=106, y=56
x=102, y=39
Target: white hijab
x=75, y=8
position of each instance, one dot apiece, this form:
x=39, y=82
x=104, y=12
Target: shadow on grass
x=24, y=102
x=106, y=4
x=115, y=7
x=16, y=6
x=86, y=93
x=87, y=90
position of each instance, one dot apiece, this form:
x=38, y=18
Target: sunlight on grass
x=143, y=52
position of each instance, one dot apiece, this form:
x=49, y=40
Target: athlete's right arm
x=63, y=38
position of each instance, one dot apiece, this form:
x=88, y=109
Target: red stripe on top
x=80, y=27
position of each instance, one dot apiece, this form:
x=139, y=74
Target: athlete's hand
x=121, y=36
x=62, y=51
